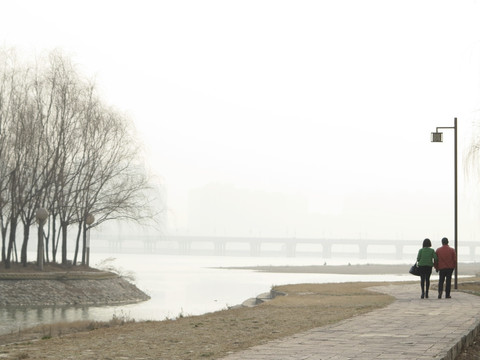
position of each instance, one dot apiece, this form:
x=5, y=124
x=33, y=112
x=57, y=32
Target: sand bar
x=464, y=269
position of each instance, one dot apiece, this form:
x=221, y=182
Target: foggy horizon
x=309, y=119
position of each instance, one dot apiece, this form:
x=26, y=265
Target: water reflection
x=13, y=319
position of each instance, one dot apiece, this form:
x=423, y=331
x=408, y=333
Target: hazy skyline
x=331, y=103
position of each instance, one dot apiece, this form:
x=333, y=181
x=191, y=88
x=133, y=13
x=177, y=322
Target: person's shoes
x=448, y=297
x=439, y=296
x=423, y=296
x=426, y=295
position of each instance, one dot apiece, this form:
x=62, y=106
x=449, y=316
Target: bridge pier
x=472, y=252
x=149, y=246
x=220, y=247
x=363, y=251
x=115, y=246
x=327, y=251
x=291, y=249
x=255, y=248
x=399, y=252
x=184, y=246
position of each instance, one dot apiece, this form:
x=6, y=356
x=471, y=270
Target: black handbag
x=415, y=270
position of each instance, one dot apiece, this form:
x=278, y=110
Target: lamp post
x=42, y=215
x=438, y=137
x=89, y=220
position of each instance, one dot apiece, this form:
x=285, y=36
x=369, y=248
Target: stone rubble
x=105, y=290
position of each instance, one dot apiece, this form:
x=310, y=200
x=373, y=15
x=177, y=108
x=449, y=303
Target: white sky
x=328, y=100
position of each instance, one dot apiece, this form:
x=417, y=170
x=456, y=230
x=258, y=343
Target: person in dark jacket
x=426, y=259
x=447, y=262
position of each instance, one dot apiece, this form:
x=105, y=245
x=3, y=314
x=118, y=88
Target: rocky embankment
x=67, y=289
x=260, y=299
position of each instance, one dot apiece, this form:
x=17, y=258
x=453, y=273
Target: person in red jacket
x=447, y=262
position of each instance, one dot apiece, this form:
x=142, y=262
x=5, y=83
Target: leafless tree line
x=64, y=150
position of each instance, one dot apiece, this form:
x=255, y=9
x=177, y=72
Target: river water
x=183, y=285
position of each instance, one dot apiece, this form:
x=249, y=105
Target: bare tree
x=14, y=149
x=113, y=183
x=66, y=108
x=61, y=148
x=6, y=112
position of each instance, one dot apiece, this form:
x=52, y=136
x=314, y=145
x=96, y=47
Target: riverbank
x=209, y=336
x=64, y=286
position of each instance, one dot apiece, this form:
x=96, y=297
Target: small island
x=58, y=285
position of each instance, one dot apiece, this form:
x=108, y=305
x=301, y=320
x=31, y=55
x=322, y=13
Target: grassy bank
x=209, y=336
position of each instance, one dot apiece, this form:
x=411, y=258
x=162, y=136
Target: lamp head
x=436, y=137
x=90, y=219
x=42, y=215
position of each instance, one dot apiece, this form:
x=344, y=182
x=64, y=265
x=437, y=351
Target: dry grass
x=60, y=329
x=209, y=336
x=213, y=335
x=471, y=286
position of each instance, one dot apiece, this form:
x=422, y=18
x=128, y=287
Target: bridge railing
x=257, y=246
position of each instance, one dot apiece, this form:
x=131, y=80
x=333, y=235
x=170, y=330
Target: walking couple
x=444, y=260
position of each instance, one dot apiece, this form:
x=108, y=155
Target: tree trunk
x=84, y=238
x=4, y=248
x=11, y=241
x=54, y=240
x=77, y=243
x=23, y=253
x=64, y=243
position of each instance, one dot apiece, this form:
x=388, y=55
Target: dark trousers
x=445, y=275
x=425, y=272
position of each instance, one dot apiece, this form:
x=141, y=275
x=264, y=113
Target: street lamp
x=89, y=220
x=42, y=215
x=438, y=137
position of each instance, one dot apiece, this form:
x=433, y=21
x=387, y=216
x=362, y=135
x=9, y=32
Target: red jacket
x=447, y=258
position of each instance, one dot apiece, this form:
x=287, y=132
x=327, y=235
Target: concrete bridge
x=258, y=246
